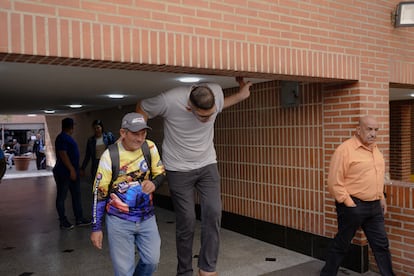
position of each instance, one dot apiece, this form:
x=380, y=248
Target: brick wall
x=271, y=158
x=401, y=150
x=236, y=35
x=400, y=226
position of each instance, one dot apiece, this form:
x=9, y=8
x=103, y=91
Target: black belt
x=357, y=200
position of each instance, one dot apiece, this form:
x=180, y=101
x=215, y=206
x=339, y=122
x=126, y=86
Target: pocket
x=356, y=200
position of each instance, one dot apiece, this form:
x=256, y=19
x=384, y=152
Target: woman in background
x=95, y=146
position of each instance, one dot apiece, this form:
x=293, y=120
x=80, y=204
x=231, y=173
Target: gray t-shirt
x=188, y=143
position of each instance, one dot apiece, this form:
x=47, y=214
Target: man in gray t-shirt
x=189, y=157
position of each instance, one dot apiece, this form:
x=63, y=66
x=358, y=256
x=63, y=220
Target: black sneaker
x=83, y=222
x=66, y=225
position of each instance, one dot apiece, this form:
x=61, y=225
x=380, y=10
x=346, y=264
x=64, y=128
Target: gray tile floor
x=31, y=242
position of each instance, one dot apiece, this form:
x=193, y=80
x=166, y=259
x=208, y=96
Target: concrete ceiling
x=28, y=88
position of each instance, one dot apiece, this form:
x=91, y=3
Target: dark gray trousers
x=206, y=181
x=369, y=216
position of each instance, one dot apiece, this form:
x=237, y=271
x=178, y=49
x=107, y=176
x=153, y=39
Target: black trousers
x=63, y=185
x=40, y=160
x=369, y=216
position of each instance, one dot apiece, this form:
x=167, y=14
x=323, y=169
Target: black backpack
x=114, y=154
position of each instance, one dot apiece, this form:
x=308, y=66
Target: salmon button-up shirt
x=358, y=171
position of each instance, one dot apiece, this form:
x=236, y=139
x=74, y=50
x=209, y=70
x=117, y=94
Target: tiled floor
x=31, y=242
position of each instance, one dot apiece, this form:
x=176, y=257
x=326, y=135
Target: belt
x=357, y=200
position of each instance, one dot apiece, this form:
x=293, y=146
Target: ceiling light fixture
x=412, y=95
x=31, y=115
x=116, y=96
x=75, y=106
x=49, y=111
x=403, y=15
x=189, y=79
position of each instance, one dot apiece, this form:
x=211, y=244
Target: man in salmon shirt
x=356, y=180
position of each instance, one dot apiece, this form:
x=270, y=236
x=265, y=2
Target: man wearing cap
x=127, y=203
x=66, y=174
x=189, y=114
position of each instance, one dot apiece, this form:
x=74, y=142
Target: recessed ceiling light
x=412, y=94
x=31, y=115
x=189, y=79
x=116, y=96
x=49, y=111
x=75, y=106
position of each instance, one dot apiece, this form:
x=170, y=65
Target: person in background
x=14, y=151
x=189, y=155
x=356, y=181
x=3, y=164
x=95, y=146
x=66, y=174
x=39, y=150
x=127, y=202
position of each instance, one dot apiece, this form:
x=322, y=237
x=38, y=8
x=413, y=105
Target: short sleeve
x=218, y=94
x=155, y=106
x=60, y=144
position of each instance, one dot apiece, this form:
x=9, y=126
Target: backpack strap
x=147, y=156
x=114, y=154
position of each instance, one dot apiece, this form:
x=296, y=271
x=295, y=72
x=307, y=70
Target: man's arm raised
x=243, y=93
x=139, y=109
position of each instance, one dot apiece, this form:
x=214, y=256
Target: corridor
x=32, y=243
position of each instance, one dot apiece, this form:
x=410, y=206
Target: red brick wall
x=271, y=158
x=316, y=38
x=401, y=150
x=400, y=226
x=292, y=39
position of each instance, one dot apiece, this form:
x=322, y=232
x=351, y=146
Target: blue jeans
x=182, y=185
x=123, y=236
x=369, y=216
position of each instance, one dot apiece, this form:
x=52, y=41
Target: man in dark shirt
x=66, y=174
